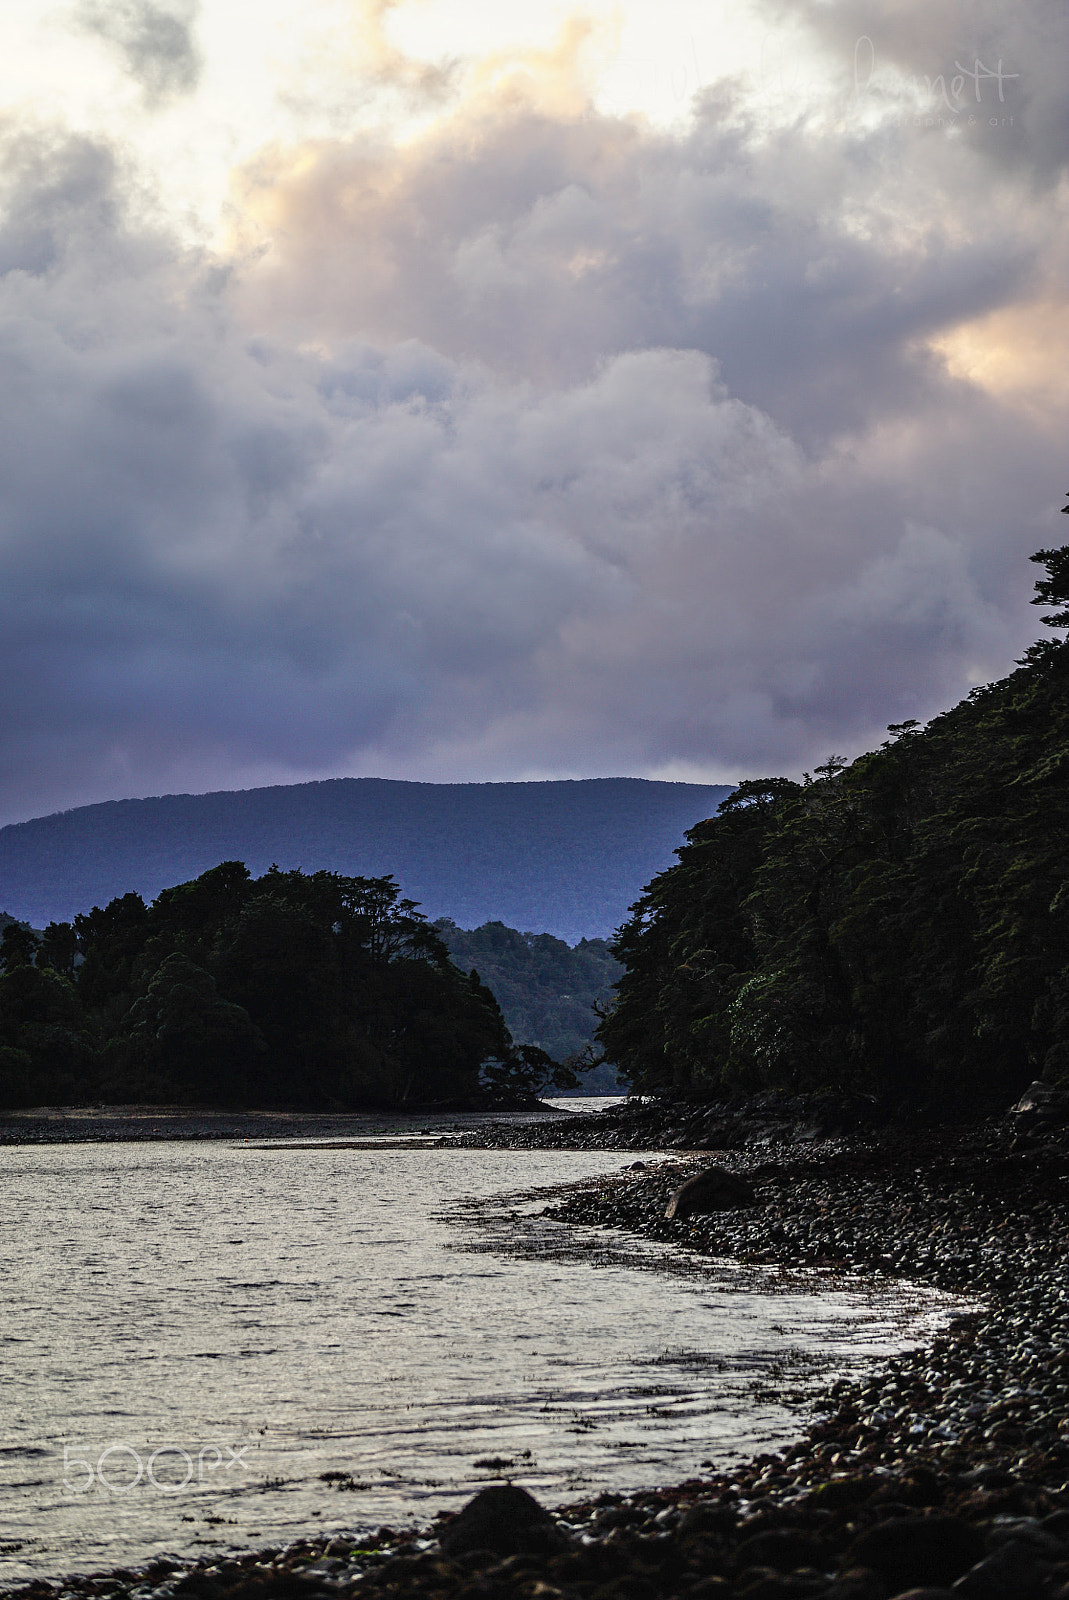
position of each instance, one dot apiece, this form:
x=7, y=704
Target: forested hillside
x=311, y=992
x=546, y=989
x=899, y=925
x=563, y=858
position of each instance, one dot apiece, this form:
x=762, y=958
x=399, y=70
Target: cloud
x=385, y=65
x=994, y=74
x=155, y=42
x=542, y=444
x=814, y=268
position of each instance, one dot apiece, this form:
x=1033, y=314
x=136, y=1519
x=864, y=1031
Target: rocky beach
x=942, y=1471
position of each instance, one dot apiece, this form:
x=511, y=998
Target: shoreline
x=138, y=1124
x=967, y=1436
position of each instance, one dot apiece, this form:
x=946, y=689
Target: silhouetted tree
x=899, y=924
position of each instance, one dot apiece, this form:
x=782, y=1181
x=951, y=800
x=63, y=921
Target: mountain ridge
x=561, y=856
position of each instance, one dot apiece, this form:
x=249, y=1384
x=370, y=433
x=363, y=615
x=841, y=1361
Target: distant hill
x=566, y=858
x=546, y=989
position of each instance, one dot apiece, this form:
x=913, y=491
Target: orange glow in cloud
x=1016, y=353
x=376, y=56
x=330, y=208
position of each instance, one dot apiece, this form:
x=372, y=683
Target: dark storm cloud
x=545, y=444
x=155, y=43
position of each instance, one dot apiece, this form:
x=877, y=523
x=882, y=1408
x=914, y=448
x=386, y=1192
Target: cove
x=215, y=1346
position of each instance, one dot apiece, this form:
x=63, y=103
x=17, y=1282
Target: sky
x=416, y=389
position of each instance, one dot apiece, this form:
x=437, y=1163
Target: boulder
x=1012, y=1573
x=782, y=1549
x=1040, y=1098
x=927, y=1593
x=715, y=1189
x=914, y=1552
x=505, y=1520
x=720, y=1133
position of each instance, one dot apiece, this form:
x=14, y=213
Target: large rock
x=1039, y=1097
x=1040, y=1115
x=911, y=1552
x=715, y=1189
x=505, y=1520
x=782, y=1549
x=1012, y=1573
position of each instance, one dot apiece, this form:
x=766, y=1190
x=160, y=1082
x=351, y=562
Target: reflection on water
x=208, y=1345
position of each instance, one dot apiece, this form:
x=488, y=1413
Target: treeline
x=899, y=925
x=547, y=989
x=305, y=991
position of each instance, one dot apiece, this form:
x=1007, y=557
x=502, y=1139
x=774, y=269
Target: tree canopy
x=898, y=924
x=308, y=991
x=548, y=990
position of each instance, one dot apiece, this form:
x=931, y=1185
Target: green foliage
x=689, y=950
x=45, y=1049
x=899, y=925
x=527, y=1071
x=547, y=991
x=309, y=991
x=18, y=946
x=201, y=1047
x=58, y=948
x=1053, y=590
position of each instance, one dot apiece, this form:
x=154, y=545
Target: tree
x=1053, y=590
x=46, y=1053
x=58, y=948
x=898, y=924
x=546, y=989
x=527, y=1071
x=18, y=946
x=204, y=1048
x=312, y=990
x=110, y=941
x=689, y=948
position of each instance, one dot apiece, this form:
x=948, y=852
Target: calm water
x=193, y=1334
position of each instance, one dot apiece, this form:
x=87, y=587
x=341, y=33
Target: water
x=208, y=1346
